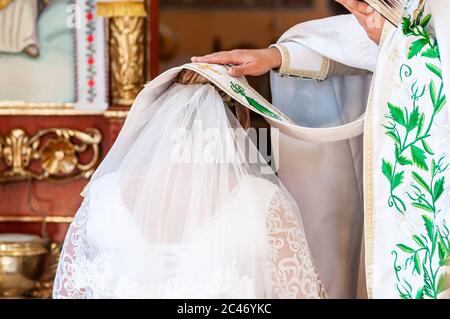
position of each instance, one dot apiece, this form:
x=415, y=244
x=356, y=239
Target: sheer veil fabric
x=184, y=206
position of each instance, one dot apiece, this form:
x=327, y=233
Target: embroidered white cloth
x=91, y=57
x=407, y=143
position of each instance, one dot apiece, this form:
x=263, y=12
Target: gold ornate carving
x=127, y=58
x=56, y=149
x=58, y=156
x=133, y=8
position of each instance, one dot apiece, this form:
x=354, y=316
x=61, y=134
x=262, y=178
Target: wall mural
x=52, y=52
x=35, y=41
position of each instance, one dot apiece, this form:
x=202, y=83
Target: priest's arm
x=313, y=49
x=322, y=48
x=300, y=61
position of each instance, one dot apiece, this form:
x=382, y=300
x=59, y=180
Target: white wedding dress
x=185, y=207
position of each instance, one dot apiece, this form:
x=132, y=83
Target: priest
x=321, y=77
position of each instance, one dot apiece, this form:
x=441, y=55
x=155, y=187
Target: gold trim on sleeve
x=286, y=68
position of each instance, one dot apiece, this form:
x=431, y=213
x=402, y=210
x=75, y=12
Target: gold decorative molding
x=23, y=104
x=127, y=56
x=116, y=114
x=36, y=219
x=133, y=8
x=57, y=151
x=41, y=110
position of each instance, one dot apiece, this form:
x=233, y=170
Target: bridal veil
x=184, y=206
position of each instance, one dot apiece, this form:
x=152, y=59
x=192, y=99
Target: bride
x=184, y=206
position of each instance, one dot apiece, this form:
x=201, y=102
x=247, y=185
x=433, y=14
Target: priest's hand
x=247, y=62
x=369, y=19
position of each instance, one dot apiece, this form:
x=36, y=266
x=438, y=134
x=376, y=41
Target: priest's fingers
x=356, y=6
x=370, y=20
x=247, y=69
x=362, y=18
x=224, y=57
x=246, y=62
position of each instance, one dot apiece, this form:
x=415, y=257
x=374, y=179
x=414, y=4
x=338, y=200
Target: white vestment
x=407, y=138
x=325, y=177
x=18, y=26
x=323, y=168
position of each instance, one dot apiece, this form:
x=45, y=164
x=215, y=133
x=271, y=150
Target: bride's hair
x=189, y=77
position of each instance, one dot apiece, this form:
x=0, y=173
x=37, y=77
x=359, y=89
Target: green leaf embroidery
x=387, y=169
x=419, y=294
x=261, y=108
x=434, y=243
x=423, y=195
x=413, y=120
x=394, y=136
x=419, y=157
x=433, y=93
x=419, y=241
x=421, y=123
x=440, y=104
x=406, y=26
x=433, y=68
x=397, y=114
x=402, y=160
x=397, y=180
x=425, y=21
x=430, y=53
x=423, y=206
x=438, y=188
x=433, y=167
x=427, y=147
x=416, y=47
x=428, y=287
x=405, y=248
x=421, y=182
x=417, y=264
x=429, y=226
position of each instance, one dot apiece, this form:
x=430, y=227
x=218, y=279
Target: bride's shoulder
x=264, y=187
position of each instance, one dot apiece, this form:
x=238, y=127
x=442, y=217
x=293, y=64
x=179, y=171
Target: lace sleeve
x=291, y=268
x=74, y=249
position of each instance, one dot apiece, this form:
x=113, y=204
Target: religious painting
x=36, y=41
x=52, y=52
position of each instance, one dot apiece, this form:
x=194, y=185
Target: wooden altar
x=48, y=151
